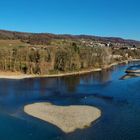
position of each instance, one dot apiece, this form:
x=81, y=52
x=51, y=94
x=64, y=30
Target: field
x=11, y=43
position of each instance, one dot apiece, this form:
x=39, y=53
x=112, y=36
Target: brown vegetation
x=51, y=54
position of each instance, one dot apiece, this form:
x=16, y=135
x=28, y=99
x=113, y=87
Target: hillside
x=46, y=38
x=43, y=54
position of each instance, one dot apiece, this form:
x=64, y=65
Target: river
x=118, y=99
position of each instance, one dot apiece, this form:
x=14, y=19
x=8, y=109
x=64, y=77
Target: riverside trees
x=52, y=60
x=43, y=61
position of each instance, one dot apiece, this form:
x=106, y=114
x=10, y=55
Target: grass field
x=11, y=43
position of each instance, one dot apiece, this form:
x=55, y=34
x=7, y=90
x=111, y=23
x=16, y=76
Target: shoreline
x=19, y=76
x=67, y=118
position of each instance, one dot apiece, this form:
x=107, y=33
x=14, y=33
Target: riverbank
x=13, y=75
x=18, y=75
x=67, y=118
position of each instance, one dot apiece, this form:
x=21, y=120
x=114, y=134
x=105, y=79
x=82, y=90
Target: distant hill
x=43, y=38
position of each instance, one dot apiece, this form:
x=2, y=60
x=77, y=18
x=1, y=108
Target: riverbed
x=119, y=101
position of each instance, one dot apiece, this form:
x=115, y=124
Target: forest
x=54, y=60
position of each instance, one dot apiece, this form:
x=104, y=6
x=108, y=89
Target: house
x=133, y=47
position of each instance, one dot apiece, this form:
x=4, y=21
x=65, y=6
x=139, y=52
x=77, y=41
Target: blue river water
x=118, y=99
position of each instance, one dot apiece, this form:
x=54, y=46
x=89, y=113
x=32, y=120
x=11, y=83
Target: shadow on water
x=132, y=71
x=127, y=76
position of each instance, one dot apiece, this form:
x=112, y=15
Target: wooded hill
x=44, y=38
x=31, y=53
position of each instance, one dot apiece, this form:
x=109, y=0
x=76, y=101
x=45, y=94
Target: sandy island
x=67, y=118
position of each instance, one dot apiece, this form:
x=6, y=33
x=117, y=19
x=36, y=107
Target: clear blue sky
x=94, y=17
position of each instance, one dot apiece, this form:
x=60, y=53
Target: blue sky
x=120, y=18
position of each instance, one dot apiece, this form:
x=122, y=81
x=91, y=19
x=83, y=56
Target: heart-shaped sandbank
x=67, y=118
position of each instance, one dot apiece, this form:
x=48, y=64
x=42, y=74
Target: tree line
x=30, y=60
x=53, y=60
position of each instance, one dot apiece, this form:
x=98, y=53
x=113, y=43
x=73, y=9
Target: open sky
x=118, y=18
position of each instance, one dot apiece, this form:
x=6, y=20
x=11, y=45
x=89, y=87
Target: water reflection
x=28, y=89
x=131, y=72
x=70, y=82
x=128, y=76
x=103, y=76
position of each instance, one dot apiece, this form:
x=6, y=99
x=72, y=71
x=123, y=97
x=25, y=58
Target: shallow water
x=118, y=99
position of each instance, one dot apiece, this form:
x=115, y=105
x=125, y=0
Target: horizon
x=112, y=18
x=70, y=34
